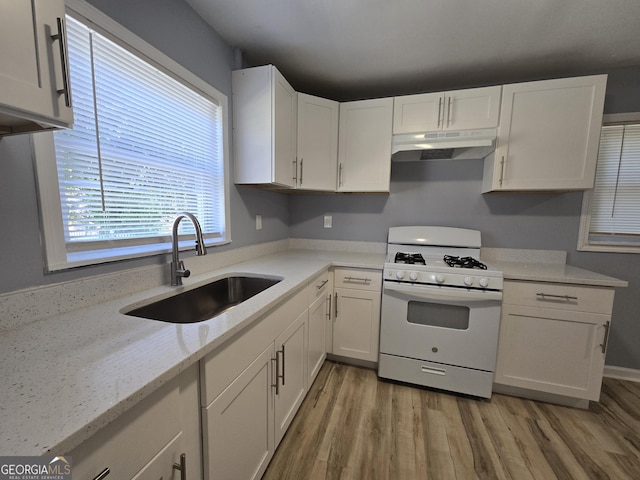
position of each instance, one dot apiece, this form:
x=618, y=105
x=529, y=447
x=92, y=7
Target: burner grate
x=409, y=258
x=464, y=262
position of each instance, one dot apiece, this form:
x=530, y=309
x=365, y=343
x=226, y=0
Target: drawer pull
x=357, y=279
x=605, y=340
x=544, y=296
x=322, y=284
x=182, y=467
x=103, y=474
x=433, y=371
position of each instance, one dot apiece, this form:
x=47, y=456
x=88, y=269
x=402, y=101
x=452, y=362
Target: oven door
x=448, y=325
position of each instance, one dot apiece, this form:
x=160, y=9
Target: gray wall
x=176, y=30
x=448, y=193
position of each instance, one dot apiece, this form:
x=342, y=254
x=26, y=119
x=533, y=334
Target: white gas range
x=440, y=310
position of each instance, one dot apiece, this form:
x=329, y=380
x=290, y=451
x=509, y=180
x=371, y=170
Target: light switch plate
x=327, y=221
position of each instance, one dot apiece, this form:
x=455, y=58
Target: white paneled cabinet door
x=264, y=127
x=554, y=351
x=469, y=109
x=239, y=441
x=364, y=145
x=33, y=66
x=291, y=374
x=548, y=135
x=356, y=325
x=317, y=143
x=317, y=351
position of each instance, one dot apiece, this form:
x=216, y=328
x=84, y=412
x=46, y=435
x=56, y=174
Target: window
x=611, y=211
x=148, y=142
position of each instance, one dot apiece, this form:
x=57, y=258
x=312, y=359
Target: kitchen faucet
x=177, y=266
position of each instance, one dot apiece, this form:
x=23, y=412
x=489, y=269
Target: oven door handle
x=442, y=293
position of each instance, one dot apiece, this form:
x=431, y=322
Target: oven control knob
x=439, y=278
x=413, y=276
x=400, y=274
x=468, y=281
x=484, y=282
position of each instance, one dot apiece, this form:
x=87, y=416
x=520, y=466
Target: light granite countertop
x=67, y=376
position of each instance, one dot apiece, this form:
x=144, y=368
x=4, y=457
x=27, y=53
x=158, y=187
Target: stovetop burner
x=409, y=258
x=463, y=262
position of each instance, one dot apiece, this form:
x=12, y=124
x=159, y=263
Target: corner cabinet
x=34, y=81
x=317, y=157
x=455, y=110
x=151, y=440
x=553, y=340
x=548, y=135
x=364, y=145
x=356, y=327
x=264, y=127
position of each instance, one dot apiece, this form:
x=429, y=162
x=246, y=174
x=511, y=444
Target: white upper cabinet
x=455, y=110
x=317, y=143
x=548, y=135
x=264, y=127
x=364, y=145
x=34, y=81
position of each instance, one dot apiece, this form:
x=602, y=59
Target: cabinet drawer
x=358, y=278
x=318, y=287
x=134, y=439
x=559, y=296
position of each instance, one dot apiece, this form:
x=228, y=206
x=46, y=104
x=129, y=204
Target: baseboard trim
x=622, y=373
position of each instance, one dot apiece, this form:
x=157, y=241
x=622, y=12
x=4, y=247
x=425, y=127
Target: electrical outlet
x=327, y=221
x=258, y=222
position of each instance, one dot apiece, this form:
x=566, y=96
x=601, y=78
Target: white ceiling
x=351, y=49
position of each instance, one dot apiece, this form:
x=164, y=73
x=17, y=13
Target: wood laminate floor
x=353, y=426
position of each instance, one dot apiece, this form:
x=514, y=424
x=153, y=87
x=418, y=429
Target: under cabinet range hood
x=463, y=144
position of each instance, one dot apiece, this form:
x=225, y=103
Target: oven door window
x=455, y=317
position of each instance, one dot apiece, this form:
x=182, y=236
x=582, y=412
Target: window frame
x=56, y=255
x=585, y=215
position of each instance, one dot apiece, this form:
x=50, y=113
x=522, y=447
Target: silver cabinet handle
x=605, y=340
x=66, y=87
x=103, y=474
x=340, y=175
x=335, y=306
x=357, y=279
x=301, y=169
x=322, y=284
x=182, y=467
x=501, y=171
x=295, y=171
x=544, y=296
x=277, y=369
x=439, y=112
x=448, y=111
x=329, y=298
x=283, y=365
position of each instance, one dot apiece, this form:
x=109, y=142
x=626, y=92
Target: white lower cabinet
x=553, y=340
x=319, y=298
x=356, y=327
x=149, y=439
x=252, y=387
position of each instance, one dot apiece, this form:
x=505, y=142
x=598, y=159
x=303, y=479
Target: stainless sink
x=205, y=302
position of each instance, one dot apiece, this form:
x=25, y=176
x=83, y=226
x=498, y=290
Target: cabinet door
x=291, y=352
x=317, y=143
x=317, y=350
x=31, y=63
x=364, y=145
x=418, y=113
x=239, y=438
x=285, y=128
x=554, y=351
x=356, y=327
x=472, y=108
x=548, y=136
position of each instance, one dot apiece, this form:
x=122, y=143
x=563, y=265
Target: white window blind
x=148, y=142
x=615, y=200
